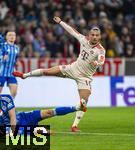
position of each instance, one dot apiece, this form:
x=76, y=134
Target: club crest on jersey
x=1, y=112
x=4, y=107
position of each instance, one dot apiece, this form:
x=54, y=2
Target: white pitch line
x=100, y=134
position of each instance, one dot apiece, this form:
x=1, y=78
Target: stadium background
x=44, y=44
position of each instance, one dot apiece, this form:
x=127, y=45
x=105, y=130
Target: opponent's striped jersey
x=8, y=65
x=88, y=53
x=6, y=104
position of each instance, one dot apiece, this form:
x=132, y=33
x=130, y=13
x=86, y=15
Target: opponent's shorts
x=82, y=82
x=28, y=118
x=9, y=80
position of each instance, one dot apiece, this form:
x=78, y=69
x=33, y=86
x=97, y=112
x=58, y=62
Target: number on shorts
x=87, y=82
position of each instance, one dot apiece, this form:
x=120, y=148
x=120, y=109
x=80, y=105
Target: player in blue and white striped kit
x=10, y=55
x=9, y=117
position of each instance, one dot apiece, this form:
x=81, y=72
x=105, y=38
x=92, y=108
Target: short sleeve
x=9, y=101
x=10, y=105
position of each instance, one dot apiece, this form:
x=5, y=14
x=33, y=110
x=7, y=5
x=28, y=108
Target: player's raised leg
x=84, y=95
x=54, y=71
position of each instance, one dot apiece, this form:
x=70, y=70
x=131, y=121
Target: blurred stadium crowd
x=39, y=36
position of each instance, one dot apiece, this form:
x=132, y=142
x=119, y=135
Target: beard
x=93, y=42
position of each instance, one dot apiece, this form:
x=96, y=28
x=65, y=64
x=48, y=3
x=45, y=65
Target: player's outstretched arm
x=59, y=111
x=67, y=27
x=12, y=116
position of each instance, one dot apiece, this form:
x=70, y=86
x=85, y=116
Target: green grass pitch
x=101, y=129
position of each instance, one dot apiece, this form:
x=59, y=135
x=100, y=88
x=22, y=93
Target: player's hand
x=57, y=19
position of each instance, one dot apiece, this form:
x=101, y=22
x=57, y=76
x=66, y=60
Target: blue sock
x=64, y=110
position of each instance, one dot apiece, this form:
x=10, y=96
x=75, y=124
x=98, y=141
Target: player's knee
x=84, y=104
x=14, y=94
x=84, y=99
x=45, y=71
